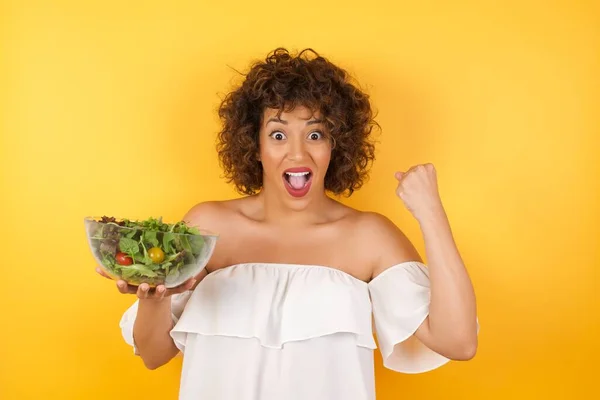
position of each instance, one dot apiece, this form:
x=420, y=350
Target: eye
x=315, y=135
x=277, y=135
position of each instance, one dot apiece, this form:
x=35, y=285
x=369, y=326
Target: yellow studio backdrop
x=108, y=107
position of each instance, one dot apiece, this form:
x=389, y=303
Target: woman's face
x=295, y=152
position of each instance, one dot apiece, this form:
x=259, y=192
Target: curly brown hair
x=282, y=82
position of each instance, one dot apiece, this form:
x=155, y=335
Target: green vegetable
x=150, y=237
x=181, y=245
x=167, y=239
x=132, y=270
x=129, y=246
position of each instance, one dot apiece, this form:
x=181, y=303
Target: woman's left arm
x=451, y=327
x=452, y=322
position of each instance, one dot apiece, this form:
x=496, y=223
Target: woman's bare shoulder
x=385, y=242
x=213, y=213
x=205, y=209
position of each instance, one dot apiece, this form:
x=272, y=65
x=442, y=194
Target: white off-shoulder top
x=266, y=331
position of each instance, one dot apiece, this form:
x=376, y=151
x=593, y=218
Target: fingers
x=102, y=273
x=144, y=291
x=160, y=292
x=124, y=288
x=184, y=287
x=401, y=174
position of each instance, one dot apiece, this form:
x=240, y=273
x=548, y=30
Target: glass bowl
x=149, y=251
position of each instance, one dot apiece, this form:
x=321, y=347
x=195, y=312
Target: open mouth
x=297, y=181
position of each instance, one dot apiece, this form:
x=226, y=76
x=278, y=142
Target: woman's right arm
x=151, y=329
x=154, y=319
x=155, y=309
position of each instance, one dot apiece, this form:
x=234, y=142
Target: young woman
x=284, y=308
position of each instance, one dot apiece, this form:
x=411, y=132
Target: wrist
x=434, y=216
x=154, y=303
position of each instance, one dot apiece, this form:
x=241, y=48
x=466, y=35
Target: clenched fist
x=418, y=189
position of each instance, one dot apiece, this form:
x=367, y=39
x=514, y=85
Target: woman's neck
x=283, y=210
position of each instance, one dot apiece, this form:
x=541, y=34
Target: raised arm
x=451, y=327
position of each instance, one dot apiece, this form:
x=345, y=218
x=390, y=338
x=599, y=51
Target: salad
x=149, y=251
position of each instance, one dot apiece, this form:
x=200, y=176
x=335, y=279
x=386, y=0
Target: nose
x=296, y=150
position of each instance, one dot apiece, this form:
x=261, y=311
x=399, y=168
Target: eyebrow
x=284, y=122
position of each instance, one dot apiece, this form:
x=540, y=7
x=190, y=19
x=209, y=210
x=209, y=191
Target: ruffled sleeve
x=400, y=297
x=178, y=302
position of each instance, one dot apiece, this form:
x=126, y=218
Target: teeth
x=297, y=173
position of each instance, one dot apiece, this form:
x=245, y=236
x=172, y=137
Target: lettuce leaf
x=180, y=243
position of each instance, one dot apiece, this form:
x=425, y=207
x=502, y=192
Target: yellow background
x=108, y=107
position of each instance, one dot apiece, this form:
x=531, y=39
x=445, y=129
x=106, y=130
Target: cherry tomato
x=156, y=255
x=123, y=259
